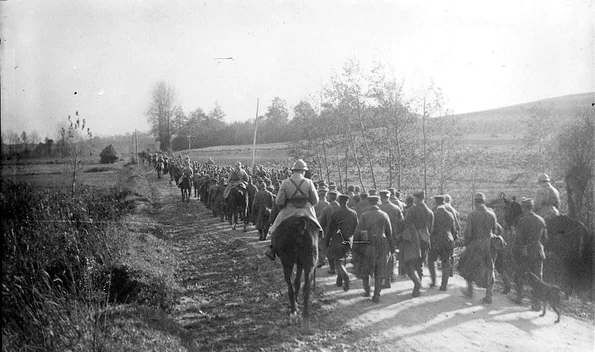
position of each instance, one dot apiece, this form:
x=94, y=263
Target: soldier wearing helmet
x=547, y=198
x=237, y=176
x=296, y=197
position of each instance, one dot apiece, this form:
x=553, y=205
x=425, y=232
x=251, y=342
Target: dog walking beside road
x=545, y=293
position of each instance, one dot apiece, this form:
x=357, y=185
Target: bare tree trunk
x=346, y=159
x=367, y=148
x=390, y=158
x=424, y=148
x=399, y=158
x=359, y=170
x=339, y=166
x=328, y=174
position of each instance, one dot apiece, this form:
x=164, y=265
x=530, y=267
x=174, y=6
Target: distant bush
x=99, y=169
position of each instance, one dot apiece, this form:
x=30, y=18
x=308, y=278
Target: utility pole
x=255, y=130
x=136, y=146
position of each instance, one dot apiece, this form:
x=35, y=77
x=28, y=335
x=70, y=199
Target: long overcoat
x=345, y=220
x=261, y=208
x=375, y=253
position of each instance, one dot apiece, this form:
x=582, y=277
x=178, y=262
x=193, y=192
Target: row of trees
x=361, y=129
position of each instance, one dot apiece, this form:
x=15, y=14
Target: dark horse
x=571, y=244
x=237, y=206
x=298, y=245
x=186, y=188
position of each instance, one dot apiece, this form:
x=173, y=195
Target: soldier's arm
x=389, y=235
x=281, y=197
x=312, y=193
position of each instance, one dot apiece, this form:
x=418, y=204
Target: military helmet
x=299, y=165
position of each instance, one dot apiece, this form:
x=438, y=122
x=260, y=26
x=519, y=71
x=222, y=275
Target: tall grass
x=57, y=254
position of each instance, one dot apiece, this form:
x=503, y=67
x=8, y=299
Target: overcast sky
x=101, y=58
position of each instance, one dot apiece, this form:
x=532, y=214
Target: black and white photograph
x=292, y=175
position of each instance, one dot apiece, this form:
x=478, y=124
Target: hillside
x=509, y=120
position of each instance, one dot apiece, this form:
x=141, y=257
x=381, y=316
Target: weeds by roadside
x=63, y=269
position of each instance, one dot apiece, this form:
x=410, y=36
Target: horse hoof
x=306, y=328
x=293, y=318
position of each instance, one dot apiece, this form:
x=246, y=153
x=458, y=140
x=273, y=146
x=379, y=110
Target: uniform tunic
x=373, y=256
x=547, y=201
x=343, y=219
x=296, y=197
x=261, y=208
x=476, y=263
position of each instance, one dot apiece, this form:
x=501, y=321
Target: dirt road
x=235, y=299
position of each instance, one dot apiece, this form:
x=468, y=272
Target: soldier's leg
x=502, y=266
x=366, y=284
x=411, y=270
x=389, y=271
x=342, y=272
x=490, y=284
x=518, y=280
x=446, y=268
x=431, y=265
x=424, y=246
x=378, y=278
x=536, y=267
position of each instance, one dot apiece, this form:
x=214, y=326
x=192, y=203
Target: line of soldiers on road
x=380, y=229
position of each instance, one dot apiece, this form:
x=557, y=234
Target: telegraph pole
x=255, y=130
x=136, y=147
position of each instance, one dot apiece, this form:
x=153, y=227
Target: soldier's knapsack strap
x=298, y=189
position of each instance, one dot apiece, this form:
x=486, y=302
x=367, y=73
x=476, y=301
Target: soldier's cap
x=479, y=196
x=350, y=188
x=330, y=184
x=527, y=202
x=321, y=183
x=384, y=193
x=322, y=189
x=373, y=199
x=343, y=198
x=372, y=192
x=391, y=190
x=439, y=198
x=419, y=194
x=363, y=195
x=261, y=185
x=447, y=197
x=333, y=192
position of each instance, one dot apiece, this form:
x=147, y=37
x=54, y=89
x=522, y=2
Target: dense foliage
x=57, y=251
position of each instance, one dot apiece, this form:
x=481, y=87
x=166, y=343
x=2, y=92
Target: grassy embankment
x=71, y=267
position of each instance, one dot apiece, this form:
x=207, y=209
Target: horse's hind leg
x=287, y=271
x=306, y=313
x=298, y=280
x=557, y=312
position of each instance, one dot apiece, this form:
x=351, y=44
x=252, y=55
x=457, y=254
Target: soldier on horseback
x=237, y=176
x=297, y=196
x=187, y=172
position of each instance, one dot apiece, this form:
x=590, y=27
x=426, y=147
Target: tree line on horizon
x=362, y=127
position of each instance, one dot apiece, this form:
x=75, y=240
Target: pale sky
x=482, y=54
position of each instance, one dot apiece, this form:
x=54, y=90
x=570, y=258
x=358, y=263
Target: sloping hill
x=510, y=120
